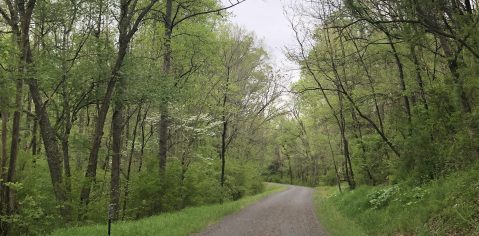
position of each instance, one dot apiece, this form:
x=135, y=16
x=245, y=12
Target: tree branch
x=207, y=12
x=140, y=17
x=5, y=16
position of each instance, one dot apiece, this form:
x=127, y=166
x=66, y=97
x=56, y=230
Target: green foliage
x=329, y=178
x=334, y=222
x=381, y=197
x=241, y=180
x=441, y=207
x=150, y=194
x=37, y=207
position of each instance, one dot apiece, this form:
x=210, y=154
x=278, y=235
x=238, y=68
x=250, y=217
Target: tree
x=129, y=22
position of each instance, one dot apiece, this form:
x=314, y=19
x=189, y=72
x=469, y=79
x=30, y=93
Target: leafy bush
x=381, y=197
x=447, y=206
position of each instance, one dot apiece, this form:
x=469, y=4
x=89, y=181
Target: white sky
x=267, y=20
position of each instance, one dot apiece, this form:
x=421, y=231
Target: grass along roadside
x=329, y=216
x=448, y=206
x=184, y=222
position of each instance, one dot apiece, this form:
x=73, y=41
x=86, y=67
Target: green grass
x=334, y=222
x=449, y=206
x=184, y=222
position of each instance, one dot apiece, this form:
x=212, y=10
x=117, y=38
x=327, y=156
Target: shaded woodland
x=153, y=106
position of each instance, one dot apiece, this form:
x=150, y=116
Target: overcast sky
x=267, y=20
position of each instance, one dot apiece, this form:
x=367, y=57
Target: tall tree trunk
x=224, y=131
x=118, y=121
x=123, y=39
x=67, y=121
x=117, y=126
x=14, y=144
x=90, y=174
x=50, y=142
x=164, y=114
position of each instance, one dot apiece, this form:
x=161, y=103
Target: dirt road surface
x=289, y=212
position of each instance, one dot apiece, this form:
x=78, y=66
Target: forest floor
x=289, y=212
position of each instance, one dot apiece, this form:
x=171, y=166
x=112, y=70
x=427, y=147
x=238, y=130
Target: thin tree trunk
x=338, y=178
x=279, y=161
x=163, y=138
x=128, y=172
x=143, y=139
x=359, y=136
x=4, y=147
x=453, y=68
x=34, y=142
x=402, y=82
x=28, y=121
x=3, y=165
x=223, y=150
x=371, y=85
x=90, y=174
x=88, y=119
x=351, y=101
x=127, y=125
x=290, y=170
x=419, y=80
x=81, y=122
x=347, y=155
x=339, y=121
x=14, y=146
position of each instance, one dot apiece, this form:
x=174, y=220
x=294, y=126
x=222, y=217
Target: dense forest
x=387, y=97
x=152, y=106
x=387, y=91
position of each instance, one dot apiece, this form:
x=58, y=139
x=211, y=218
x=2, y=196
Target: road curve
x=289, y=212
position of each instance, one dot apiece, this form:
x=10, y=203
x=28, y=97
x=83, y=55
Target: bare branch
x=207, y=12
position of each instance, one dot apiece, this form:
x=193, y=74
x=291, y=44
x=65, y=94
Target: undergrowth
x=184, y=222
x=447, y=206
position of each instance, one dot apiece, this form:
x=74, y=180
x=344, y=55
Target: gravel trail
x=290, y=212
